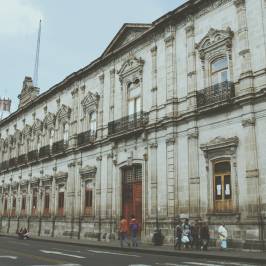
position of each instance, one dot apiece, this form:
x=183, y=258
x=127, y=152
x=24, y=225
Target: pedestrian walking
x=123, y=231
x=204, y=236
x=134, y=229
x=178, y=236
x=222, y=237
x=186, y=233
x=195, y=231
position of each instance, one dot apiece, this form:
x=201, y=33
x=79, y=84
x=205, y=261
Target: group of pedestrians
x=127, y=229
x=197, y=235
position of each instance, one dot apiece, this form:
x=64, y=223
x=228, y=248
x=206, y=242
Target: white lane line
x=168, y=264
x=9, y=257
x=112, y=253
x=61, y=253
x=202, y=263
x=58, y=265
x=67, y=250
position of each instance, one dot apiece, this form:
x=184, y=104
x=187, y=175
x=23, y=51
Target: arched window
x=219, y=71
x=222, y=186
x=92, y=120
x=66, y=133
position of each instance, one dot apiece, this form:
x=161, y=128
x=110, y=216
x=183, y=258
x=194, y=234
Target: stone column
x=252, y=171
x=153, y=114
x=171, y=175
x=246, y=82
x=170, y=57
x=53, y=195
x=98, y=187
x=28, y=200
x=109, y=202
x=153, y=179
x=193, y=173
x=100, y=110
x=74, y=118
x=191, y=65
x=79, y=188
x=70, y=190
x=112, y=94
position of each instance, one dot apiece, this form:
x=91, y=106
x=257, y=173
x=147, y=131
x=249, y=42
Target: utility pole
x=36, y=63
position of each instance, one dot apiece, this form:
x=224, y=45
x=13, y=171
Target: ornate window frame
x=214, y=45
x=60, y=180
x=216, y=150
x=131, y=70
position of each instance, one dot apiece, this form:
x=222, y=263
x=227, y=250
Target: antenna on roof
x=36, y=64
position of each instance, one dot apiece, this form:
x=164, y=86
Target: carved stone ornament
x=37, y=126
x=49, y=120
x=215, y=40
x=130, y=66
x=219, y=146
x=28, y=92
x=18, y=135
x=26, y=131
x=88, y=172
x=34, y=181
x=63, y=114
x=248, y=122
x=90, y=102
x=61, y=176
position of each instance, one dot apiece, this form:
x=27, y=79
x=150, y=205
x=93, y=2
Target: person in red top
x=123, y=231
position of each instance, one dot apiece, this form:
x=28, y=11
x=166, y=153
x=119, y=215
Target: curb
x=224, y=257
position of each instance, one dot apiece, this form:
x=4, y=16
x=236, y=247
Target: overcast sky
x=74, y=32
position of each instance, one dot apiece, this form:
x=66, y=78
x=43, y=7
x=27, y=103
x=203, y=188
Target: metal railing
x=44, y=152
x=33, y=155
x=22, y=159
x=224, y=91
x=86, y=137
x=4, y=165
x=128, y=123
x=59, y=147
x=13, y=162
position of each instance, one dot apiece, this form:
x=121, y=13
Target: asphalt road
x=42, y=253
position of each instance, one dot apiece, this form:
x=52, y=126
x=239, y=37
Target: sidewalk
x=231, y=255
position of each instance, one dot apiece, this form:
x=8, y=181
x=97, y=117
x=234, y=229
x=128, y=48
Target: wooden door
x=132, y=192
x=222, y=188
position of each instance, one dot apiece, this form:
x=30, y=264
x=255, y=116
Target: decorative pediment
x=90, y=102
x=128, y=33
x=37, y=125
x=61, y=176
x=219, y=146
x=63, y=113
x=49, y=120
x=215, y=39
x=131, y=65
x=26, y=130
x=88, y=171
x=28, y=92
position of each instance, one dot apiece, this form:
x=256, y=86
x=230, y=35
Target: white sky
x=74, y=32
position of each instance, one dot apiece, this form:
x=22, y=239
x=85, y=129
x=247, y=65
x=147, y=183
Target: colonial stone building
x=168, y=122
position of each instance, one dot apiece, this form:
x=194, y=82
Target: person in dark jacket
x=134, y=229
x=178, y=236
x=195, y=235
x=204, y=236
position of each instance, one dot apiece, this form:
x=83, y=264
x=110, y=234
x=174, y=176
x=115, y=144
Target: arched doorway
x=132, y=191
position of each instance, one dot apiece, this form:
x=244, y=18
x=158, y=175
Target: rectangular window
x=23, y=204
x=61, y=200
x=227, y=187
x=46, y=201
x=218, y=188
x=88, y=198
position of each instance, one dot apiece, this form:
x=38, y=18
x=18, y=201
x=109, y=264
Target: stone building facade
x=169, y=122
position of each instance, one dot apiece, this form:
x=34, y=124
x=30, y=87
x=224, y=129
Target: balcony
x=4, y=165
x=128, y=125
x=33, y=156
x=22, y=159
x=44, y=152
x=13, y=162
x=86, y=138
x=59, y=147
x=221, y=92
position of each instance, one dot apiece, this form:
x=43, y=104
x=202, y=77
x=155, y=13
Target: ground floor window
x=14, y=205
x=34, y=202
x=46, y=201
x=61, y=200
x=23, y=204
x=222, y=186
x=88, y=198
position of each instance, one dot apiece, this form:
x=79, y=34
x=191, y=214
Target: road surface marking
x=9, y=257
x=57, y=265
x=61, y=253
x=67, y=250
x=112, y=253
